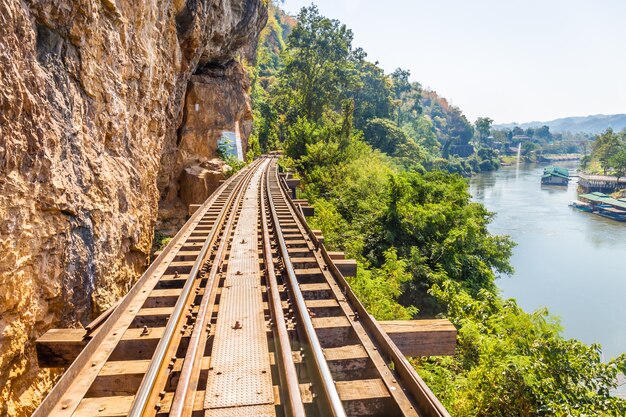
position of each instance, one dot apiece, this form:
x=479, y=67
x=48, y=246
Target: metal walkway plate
x=239, y=379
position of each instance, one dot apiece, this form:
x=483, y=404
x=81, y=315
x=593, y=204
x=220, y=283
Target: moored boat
x=582, y=206
x=603, y=205
x=612, y=213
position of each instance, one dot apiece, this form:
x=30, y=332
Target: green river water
x=571, y=262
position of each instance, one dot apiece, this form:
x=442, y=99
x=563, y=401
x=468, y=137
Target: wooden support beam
x=336, y=255
x=307, y=211
x=318, y=235
x=347, y=267
x=422, y=337
x=58, y=348
x=293, y=182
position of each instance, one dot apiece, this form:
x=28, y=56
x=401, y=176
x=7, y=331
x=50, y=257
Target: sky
x=511, y=60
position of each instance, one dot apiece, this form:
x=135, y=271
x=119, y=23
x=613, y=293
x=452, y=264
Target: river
x=571, y=262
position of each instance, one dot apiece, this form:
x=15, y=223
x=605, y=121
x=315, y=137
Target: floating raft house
x=555, y=176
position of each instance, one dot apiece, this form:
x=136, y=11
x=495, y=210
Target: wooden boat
x=582, y=206
x=612, y=213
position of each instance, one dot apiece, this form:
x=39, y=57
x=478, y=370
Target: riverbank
x=510, y=160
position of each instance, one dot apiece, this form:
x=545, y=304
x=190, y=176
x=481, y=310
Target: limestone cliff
x=98, y=123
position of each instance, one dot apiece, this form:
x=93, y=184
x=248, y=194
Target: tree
x=423, y=131
x=459, y=128
x=543, y=132
x=605, y=147
x=618, y=162
x=374, y=95
x=483, y=126
x=517, y=131
x=528, y=148
x=318, y=68
x=401, y=83
x=407, y=95
x=384, y=135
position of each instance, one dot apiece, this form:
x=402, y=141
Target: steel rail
x=146, y=387
x=182, y=403
x=331, y=396
x=84, y=359
x=429, y=404
x=292, y=400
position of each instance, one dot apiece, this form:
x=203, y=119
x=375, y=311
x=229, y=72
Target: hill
x=586, y=124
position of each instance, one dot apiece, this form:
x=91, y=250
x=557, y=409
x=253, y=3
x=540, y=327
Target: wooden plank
x=187, y=255
x=336, y=255
x=309, y=275
x=367, y=397
x=119, y=378
x=304, y=262
x=318, y=236
x=120, y=405
x=330, y=303
x=298, y=252
x=422, y=337
x=330, y=322
x=104, y=406
x=137, y=344
x=57, y=348
x=347, y=267
x=334, y=331
x=307, y=211
x=350, y=362
x=293, y=182
x=362, y=389
x=322, y=286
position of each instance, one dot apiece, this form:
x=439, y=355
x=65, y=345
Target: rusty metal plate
x=240, y=375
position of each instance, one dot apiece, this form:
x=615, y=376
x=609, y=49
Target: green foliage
x=451, y=126
x=483, y=127
x=606, y=147
x=528, y=148
x=318, y=67
x=510, y=362
x=373, y=95
x=618, y=162
x=408, y=97
x=268, y=63
x=380, y=288
x=160, y=241
x=232, y=161
x=430, y=219
x=368, y=148
x=543, y=141
x=384, y=135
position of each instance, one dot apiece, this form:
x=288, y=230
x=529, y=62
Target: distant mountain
x=586, y=124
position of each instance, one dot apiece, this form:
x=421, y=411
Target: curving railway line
x=244, y=313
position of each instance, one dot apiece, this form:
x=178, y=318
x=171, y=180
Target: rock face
x=95, y=130
x=199, y=180
x=216, y=103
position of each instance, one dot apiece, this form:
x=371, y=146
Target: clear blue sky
x=511, y=60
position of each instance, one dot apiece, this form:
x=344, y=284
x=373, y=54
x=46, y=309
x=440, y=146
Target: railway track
x=243, y=314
